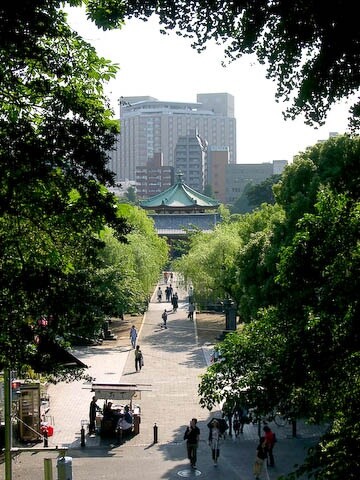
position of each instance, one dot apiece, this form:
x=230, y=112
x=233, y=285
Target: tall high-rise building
x=190, y=160
x=149, y=126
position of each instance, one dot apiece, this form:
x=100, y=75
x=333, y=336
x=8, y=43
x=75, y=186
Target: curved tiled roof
x=180, y=196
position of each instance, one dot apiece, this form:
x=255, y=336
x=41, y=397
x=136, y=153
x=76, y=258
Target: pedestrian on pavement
x=164, y=319
x=192, y=436
x=228, y=413
x=167, y=293
x=191, y=294
x=270, y=440
x=139, y=359
x=159, y=294
x=92, y=415
x=191, y=311
x=214, y=440
x=261, y=456
x=133, y=336
x=175, y=302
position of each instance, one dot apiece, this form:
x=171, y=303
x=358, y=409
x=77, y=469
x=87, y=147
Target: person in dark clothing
x=175, y=302
x=164, y=317
x=270, y=442
x=92, y=415
x=192, y=435
x=139, y=361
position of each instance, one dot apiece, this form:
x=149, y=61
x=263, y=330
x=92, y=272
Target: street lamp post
x=8, y=424
x=230, y=314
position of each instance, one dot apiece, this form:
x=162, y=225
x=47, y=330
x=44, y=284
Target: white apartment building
x=149, y=126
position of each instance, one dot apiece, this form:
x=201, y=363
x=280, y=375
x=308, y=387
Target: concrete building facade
x=238, y=176
x=149, y=127
x=154, y=177
x=190, y=160
x=217, y=163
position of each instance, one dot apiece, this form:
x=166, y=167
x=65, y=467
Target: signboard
x=118, y=391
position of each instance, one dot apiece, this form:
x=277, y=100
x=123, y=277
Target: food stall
x=118, y=399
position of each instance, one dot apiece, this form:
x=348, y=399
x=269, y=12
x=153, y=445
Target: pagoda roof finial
x=180, y=176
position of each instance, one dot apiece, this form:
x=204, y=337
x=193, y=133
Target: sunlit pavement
x=174, y=362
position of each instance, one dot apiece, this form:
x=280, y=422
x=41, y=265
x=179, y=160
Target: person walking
x=167, y=293
x=191, y=311
x=159, y=294
x=139, y=359
x=164, y=319
x=261, y=456
x=214, y=440
x=192, y=436
x=133, y=336
x=270, y=440
x=175, y=302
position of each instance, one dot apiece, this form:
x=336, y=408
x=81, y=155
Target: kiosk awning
x=119, y=391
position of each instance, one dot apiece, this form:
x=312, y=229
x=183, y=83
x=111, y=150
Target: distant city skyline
x=167, y=68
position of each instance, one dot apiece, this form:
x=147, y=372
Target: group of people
x=192, y=437
x=170, y=296
x=123, y=420
x=264, y=450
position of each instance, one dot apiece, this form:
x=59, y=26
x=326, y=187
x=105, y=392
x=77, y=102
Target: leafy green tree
x=55, y=129
x=300, y=351
x=212, y=260
x=130, y=195
x=311, y=51
x=128, y=271
x=256, y=194
x=241, y=204
x=205, y=263
x=263, y=192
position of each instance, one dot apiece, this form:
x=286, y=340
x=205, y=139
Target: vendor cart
x=119, y=398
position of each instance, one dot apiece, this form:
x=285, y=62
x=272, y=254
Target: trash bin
x=64, y=468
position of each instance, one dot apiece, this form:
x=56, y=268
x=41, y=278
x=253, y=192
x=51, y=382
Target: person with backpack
x=139, y=359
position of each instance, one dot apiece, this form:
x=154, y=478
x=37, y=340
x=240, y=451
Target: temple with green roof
x=180, y=208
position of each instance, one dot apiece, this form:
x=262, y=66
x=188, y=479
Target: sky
x=167, y=68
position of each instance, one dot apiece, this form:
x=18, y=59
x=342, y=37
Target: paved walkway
x=174, y=361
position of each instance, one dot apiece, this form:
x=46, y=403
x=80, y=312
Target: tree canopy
x=311, y=50
x=294, y=274
x=55, y=131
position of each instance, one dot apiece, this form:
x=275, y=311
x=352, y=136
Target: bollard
x=46, y=440
x=48, y=470
x=82, y=436
x=155, y=433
